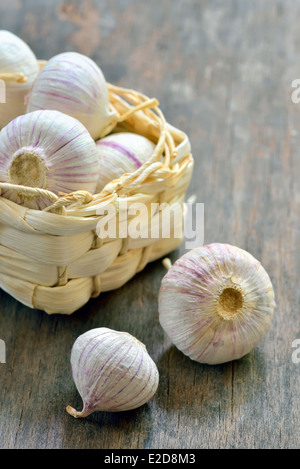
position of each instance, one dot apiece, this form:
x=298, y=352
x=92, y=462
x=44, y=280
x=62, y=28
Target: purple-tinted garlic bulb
x=47, y=150
x=74, y=84
x=112, y=371
x=120, y=153
x=16, y=60
x=216, y=303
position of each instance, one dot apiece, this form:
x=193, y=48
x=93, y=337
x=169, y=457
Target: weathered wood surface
x=222, y=72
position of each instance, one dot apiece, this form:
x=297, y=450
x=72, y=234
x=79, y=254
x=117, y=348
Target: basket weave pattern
x=54, y=259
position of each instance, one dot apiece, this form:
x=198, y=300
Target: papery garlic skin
x=47, y=150
x=120, y=153
x=112, y=371
x=74, y=84
x=216, y=303
x=15, y=57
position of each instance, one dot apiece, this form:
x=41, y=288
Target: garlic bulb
x=15, y=58
x=112, y=372
x=216, y=303
x=74, y=84
x=120, y=153
x=47, y=150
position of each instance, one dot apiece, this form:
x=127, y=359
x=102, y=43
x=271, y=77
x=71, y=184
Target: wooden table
x=222, y=72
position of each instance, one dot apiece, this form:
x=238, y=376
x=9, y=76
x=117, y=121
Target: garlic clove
x=16, y=58
x=47, y=150
x=112, y=371
x=216, y=303
x=120, y=153
x=74, y=84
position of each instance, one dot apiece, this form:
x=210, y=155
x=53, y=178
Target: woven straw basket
x=54, y=260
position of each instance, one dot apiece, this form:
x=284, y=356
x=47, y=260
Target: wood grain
x=222, y=72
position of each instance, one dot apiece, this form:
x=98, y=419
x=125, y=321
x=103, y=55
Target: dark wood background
x=222, y=72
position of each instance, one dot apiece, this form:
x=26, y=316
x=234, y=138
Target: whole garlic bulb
x=112, y=372
x=216, y=303
x=15, y=58
x=47, y=150
x=74, y=84
x=120, y=153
